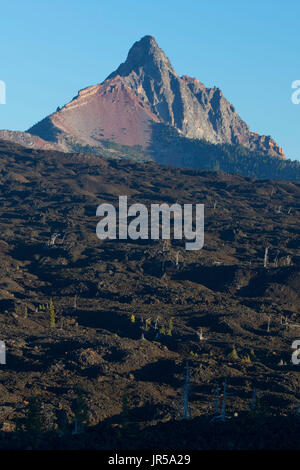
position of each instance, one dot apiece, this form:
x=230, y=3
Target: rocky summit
x=143, y=91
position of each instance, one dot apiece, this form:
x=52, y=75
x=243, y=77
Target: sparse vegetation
x=200, y=154
x=52, y=313
x=222, y=294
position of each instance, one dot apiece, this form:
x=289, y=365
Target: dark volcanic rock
x=130, y=314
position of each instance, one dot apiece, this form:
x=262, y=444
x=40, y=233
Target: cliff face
x=146, y=89
x=184, y=102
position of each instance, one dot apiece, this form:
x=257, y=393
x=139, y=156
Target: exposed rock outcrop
x=143, y=90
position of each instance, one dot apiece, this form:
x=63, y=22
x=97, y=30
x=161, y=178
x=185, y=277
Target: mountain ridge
x=143, y=90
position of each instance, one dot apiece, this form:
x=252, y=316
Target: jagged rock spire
x=147, y=55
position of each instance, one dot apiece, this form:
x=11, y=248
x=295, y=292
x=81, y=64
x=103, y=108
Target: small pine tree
x=170, y=328
x=52, y=314
x=125, y=413
x=75, y=302
x=247, y=358
x=62, y=422
x=162, y=330
x=80, y=412
x=252, y=354
x=257, y=408
x=217, y=166
x=33, y=423
x=25, y=312
x=233, y=354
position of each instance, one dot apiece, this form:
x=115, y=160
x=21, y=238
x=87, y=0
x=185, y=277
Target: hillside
x=128, y=315
x=171, y=148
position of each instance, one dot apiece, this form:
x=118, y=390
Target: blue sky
x=250, y=49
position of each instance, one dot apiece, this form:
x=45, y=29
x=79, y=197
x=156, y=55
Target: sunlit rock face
x=143, y=90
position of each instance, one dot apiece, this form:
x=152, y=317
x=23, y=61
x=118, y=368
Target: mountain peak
x=144, y=54
x=145, y=90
